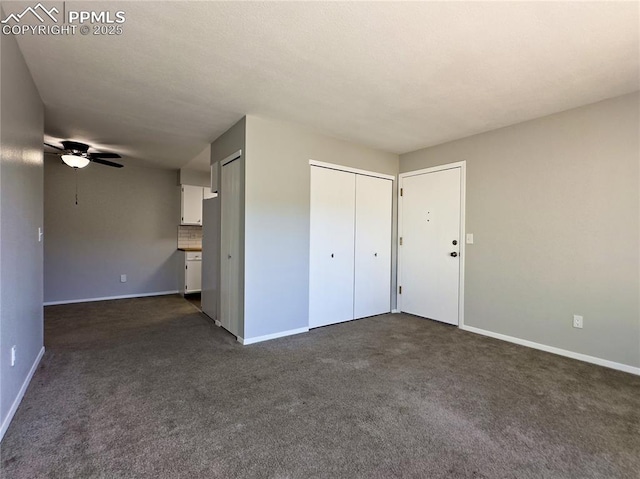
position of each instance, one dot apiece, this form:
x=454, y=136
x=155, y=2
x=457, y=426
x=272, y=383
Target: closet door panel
x=372, y=246
x=332, y=237
x=231, y=219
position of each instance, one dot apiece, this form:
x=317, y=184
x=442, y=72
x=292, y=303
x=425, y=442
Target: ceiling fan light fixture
x=75, y=161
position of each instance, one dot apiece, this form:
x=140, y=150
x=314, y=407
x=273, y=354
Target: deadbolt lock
x=455, y=242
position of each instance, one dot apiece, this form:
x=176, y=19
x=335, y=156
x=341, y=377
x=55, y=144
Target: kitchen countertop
x=189, y=249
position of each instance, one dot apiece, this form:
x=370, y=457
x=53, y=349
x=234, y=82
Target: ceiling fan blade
x=104, y=155
x=54, y=146
x=75, y=145
x=107, y=163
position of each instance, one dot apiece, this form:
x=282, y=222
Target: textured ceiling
x=393, y=76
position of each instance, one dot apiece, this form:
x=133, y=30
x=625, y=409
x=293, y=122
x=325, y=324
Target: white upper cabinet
x=191, y=205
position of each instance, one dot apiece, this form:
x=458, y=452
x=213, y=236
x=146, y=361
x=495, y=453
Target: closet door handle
x=332, y=255
x=375, y=254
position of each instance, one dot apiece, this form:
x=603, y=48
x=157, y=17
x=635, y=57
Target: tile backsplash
x=189, y=236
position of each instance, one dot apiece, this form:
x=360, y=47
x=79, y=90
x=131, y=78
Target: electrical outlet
x=123, y=278
x=13, y=355
x=577, y=321
x=469, y=238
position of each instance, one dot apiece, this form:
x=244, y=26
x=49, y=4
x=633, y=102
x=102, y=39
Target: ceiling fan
x=76, y=155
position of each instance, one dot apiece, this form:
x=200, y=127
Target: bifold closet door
x=230, y=247
x=372, y=288
x=331, y=252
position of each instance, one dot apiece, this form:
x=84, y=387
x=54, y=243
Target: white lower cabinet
x=350, y=246
x=192, y=272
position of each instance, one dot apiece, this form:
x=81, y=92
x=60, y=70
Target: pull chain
x=76, y=186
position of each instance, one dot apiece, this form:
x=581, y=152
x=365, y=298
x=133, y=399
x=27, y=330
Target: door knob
x=454, y=254
x=455, y=242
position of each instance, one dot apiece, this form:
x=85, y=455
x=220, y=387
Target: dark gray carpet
x=149, y=388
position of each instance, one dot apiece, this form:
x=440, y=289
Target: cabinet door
x=191, y=205
x=331, y=248
x=193, y=277
x=182, y=272
x=372, y=285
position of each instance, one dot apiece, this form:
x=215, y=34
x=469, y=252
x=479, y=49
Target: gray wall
x=553, y=205
x=22, y=116
x=194, y=177
x=277, y=217
x=125, y=223
x=228, y=143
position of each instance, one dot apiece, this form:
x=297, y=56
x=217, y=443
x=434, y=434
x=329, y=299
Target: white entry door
x=372, y=294
x=230, y=247
x=430, y=247
x=331, y=246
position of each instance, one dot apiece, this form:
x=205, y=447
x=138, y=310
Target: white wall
x=277, y=217
x=125, y=223
x=553, y=204
x=20, y=216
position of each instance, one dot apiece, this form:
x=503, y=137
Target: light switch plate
x=469, y=238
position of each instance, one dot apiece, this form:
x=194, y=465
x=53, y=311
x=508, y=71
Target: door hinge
x=400, y=240
x=400, y=290
x=401, y=191
x=186, y=266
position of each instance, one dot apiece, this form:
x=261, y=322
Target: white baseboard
x=550, y=349
x=18, y=399
x=109, y=298
x=267, y=337
x=395, y=311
